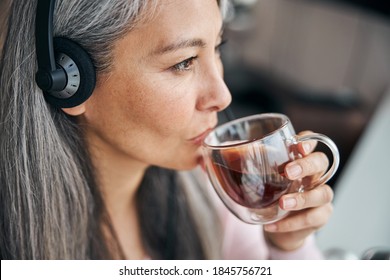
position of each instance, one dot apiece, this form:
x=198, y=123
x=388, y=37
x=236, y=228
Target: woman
x=96, y=180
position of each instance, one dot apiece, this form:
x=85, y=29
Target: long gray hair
x=51, y=206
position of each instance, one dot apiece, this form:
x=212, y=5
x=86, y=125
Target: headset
x=66, y=74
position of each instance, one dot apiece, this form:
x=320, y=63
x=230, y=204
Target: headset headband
x=44, y=35
x=48, y=78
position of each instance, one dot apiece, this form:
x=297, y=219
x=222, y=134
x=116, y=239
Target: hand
x=310, y=210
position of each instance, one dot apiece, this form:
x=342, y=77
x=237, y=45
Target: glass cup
x=245, y=161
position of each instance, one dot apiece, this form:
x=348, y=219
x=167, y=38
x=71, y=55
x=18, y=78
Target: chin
x=187, y=164
x=187, y=160
x=184, y=167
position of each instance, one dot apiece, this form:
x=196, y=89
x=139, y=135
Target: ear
x=75, y=111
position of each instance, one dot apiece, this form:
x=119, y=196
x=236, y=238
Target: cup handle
x=331, y=145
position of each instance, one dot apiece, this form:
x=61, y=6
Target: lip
x=197, y=140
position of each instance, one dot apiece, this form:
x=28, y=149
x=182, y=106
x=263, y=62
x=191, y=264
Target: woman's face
x=165, y=88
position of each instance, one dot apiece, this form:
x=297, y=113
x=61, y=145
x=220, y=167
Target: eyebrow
x=180, y=45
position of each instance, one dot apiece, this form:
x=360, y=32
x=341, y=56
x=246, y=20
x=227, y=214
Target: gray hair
x=51, y=207
x=4, y=6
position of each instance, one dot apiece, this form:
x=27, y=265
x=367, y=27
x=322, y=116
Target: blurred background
x=325, y=64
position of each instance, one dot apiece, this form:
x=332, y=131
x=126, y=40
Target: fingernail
x=306, y=148
x=293, y=171
x=271, y=227
x=289, y=203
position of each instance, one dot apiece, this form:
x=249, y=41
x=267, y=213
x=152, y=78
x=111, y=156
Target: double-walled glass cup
x=245, y=161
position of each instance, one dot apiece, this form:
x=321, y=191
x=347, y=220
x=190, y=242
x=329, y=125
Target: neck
x=119, y=178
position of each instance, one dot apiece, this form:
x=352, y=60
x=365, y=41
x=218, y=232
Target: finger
x=312, y=164
x=315, y=197
x=306, y=147
x=313, y=218
x=279, y=238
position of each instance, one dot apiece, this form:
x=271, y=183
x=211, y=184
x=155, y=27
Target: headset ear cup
x=85, y=68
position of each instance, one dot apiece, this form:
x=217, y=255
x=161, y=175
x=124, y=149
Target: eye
x=185, y=65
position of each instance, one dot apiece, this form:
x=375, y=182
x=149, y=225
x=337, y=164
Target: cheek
x=145, y=122
x=167, y=125
x=166, y=108
x=172, y=117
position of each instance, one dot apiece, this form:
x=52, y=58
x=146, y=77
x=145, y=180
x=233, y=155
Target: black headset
x=66, y=73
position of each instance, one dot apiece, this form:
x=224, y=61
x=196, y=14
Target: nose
x=214, y=94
